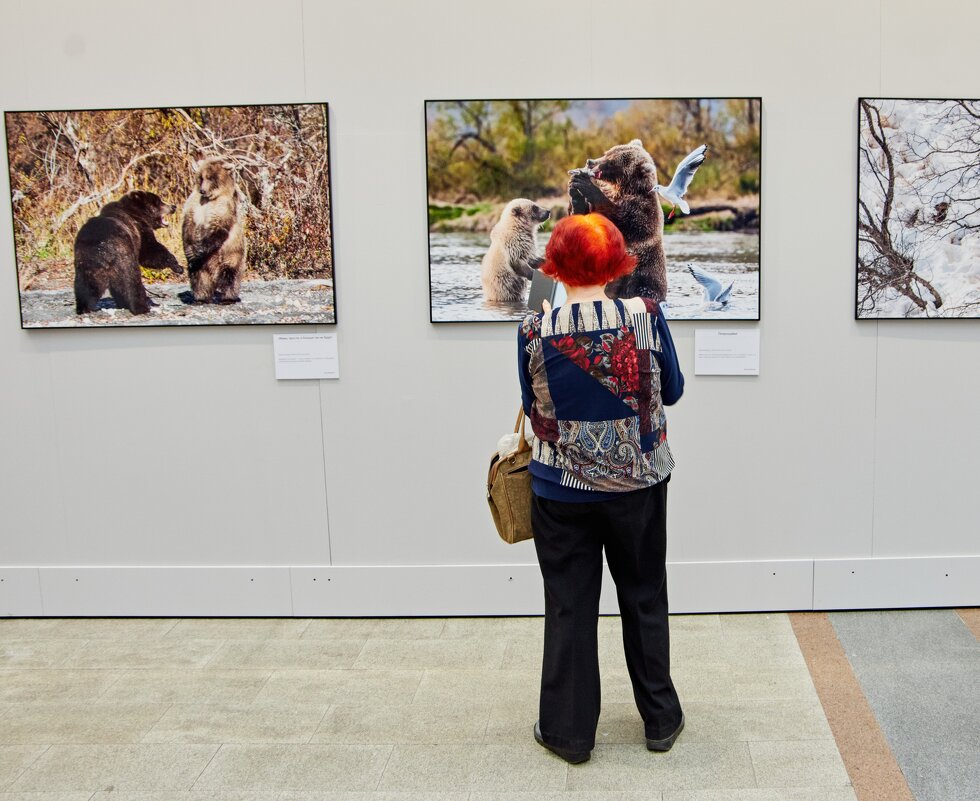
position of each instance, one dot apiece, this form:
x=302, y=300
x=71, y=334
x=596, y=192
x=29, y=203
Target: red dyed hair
x=586, y=250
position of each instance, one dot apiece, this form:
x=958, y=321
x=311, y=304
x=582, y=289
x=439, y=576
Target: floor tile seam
x=418, y=687
x=848, y=693
x=176, y=622
x=118, y=677
x=360, y=653
x=204, y=769
x=381, y=776
x=261, y=689
x=156, y=722
x=26, y=768
x=319, y=723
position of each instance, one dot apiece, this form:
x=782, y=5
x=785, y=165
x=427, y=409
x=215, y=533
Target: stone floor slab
x=424, y=628
x=442, y=685
x=473, y=767
x=919, y=671
x=187, y=795
x=458, y=722
x=38, y=685
x=434, y=653
x=147, y=654
x=119, y=767
x=237, y=723
x=380, y=687
x=283, y=654
x=15, y=759
x=295, y=767
x=79, y=722
x=187, y=686
x=37, y=653
x=225, y=628
x=784, y=794
x=328, y=795
x=815, y=763
x=101, y=628
x=685, y=766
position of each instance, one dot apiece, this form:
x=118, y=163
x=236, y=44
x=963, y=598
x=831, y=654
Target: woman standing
x=595, y=375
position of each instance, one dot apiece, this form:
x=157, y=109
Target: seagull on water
x=714, y=291
x=674, y=194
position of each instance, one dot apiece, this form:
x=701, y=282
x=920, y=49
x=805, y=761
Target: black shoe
x=571, y=757
x=666, y=743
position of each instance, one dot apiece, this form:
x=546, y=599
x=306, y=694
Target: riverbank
x=717, y=214
x=263, y=302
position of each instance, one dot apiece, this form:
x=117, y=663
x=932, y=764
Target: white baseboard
x=927, y=581
x=459, y=590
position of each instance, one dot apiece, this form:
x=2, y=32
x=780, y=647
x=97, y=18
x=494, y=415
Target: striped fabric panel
x=643, y=331
x=568, y=480
x=647, y=337
x=532, y=346
x=662, y=461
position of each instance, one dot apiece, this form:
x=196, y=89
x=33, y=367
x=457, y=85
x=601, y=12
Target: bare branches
x=105, y=192
x=65, y=166
x=919, y=194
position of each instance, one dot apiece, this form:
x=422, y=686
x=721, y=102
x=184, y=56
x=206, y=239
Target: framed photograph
x=918, y=209
x=216, y=215
x=680, y=177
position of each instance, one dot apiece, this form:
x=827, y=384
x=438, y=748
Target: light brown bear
x=513, y=255
x=214, y=234
x=619, y=185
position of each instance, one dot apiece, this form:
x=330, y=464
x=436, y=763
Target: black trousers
x=569, y=539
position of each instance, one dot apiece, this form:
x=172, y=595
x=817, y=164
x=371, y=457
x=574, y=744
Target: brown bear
x=620, y=185
x=111, y=246
x=513, y=255
x=214, y=235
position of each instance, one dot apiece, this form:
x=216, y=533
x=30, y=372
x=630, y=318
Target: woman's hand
x=546, y=306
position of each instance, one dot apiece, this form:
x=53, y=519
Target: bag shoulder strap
x=519, y=430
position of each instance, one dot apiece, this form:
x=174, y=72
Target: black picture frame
x=869, y=225
x=720, y=318
x=330, y=318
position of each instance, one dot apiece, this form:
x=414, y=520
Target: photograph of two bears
x=172, y=216
x=680, y=177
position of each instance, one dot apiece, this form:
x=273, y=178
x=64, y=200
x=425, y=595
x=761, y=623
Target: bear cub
x=619, y=185
x=214, y=236
x=508, y=265
x=110, y=247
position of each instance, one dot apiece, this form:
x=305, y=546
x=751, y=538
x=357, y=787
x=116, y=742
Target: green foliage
x=498, y=150
x=748, y=183
x=440, y=213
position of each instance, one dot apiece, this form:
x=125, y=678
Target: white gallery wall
x=166, y=472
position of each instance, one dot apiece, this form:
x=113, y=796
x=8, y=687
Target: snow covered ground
x=934, y=218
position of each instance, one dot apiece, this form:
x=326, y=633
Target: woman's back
x=595, y=377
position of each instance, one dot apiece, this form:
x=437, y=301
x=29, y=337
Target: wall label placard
x=306, y=356
x=726, y=352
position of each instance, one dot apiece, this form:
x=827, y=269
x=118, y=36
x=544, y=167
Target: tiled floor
x=386, y=710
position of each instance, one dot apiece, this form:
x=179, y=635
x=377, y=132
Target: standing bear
x=620, y=186
x=110, y=247
x=214, y=235
x=513, y=255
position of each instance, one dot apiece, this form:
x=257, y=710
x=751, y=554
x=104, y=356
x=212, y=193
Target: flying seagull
x=674, y=194
x=714, y=292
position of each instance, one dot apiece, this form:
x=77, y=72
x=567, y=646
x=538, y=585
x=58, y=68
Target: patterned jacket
x=594, y=380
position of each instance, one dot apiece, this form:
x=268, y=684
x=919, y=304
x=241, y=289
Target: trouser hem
x=565, y=743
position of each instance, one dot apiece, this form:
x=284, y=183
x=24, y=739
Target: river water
x=454, y=269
